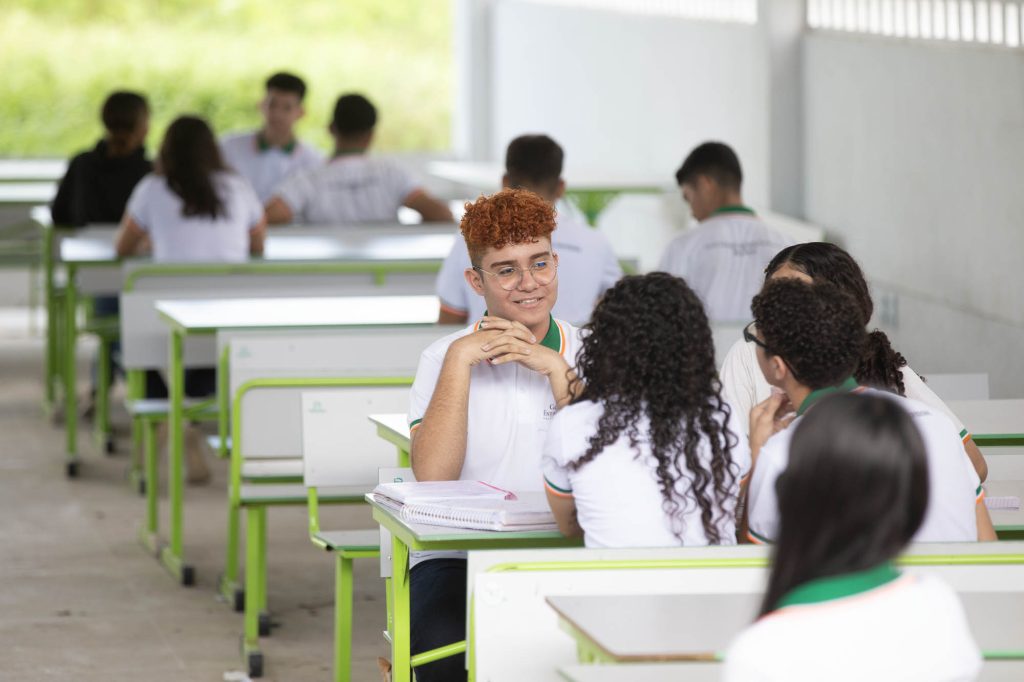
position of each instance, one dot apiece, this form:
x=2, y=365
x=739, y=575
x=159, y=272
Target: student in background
x=855, y=492
x=809, y=339
x=97, y=184
x=724, y=256
x=269, y=155
x=352, y=187
x=880, y=366
x=483, y=396
x=586, y=260
x=643, y=456
x=194, y=209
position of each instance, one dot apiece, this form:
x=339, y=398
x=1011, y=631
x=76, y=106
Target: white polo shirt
x=744, y=385
x=618, y=495
x=265, y=166
x=510, y=410
x=351, y=188
x=180, y=238
x=723, y=260
x=954, y=486
x=911, y=628
x=587, y=267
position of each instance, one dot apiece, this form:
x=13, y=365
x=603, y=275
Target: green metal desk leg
x=135, y=390
x=592, y=203
x=172, y=556
x=401, y=667
x=101, y=419
x=51, y=320
x=255, y=520
x=263, y=621
x=229, y=585
x=149, y=536
x=70, y=385
x=342, y=618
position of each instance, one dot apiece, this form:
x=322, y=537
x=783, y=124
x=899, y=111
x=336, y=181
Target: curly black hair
x=816, y=328
x=880, y=363
x=649, y=353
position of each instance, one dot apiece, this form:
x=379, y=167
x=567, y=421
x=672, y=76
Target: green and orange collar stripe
x=264, y=146
x=839, y=586
x=847, y=386
x=734, y=208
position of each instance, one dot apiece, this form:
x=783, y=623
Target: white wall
x=914, y=162
x=626, y=93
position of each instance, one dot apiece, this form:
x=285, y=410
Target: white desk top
x=486, y=175
x=697, y=626
x=395, y=422
x=211, y=315
x=32, y=169
x=27, y=192
x=984, y=417
x=356, y=244
x=694, y=671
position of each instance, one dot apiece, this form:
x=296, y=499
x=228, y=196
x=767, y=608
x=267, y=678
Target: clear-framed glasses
x=749, y=337
x=509, y=277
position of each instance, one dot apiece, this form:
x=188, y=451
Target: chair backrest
x=508, y=591
x=285, y=364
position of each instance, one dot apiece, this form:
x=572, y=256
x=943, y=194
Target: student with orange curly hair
x=484, y=396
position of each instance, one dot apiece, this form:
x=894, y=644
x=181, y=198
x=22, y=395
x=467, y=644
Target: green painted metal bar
x=401, y=665
x=49, y=292
x=342, y=618
x=224, y=401
x=446, y=651
x=174, y=554
x=255, y=518
x=101, y=417
x=70, y=397
x=149, y=437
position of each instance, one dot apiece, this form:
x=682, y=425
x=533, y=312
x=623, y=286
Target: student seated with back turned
x=809, y=339
x=352, y=187
x=880, y=366
x=723, y=258
x=585, y=258
x=836, y=608
x=643, y=455
x=97, y=184
x=267, y=156
x=194, y=209
x=483, y=396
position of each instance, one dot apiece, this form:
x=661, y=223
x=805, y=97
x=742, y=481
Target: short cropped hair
x=534, y=162
x=717, y=161
x=816, y=328
x=287, y=82
x=353, y=115
x=512, y=216
x=122, y=111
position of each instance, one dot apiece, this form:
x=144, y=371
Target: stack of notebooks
x=465, y=504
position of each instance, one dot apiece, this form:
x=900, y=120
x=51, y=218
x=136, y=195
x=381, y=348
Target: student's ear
x=777, y=371
x=302, y=112
x=504, y=181
x=473, y=279
x=560, y=190
x=332, y=131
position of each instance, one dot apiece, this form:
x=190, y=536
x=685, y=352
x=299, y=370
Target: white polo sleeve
x=920, y=391
x=248, y=201
x=452, y=288
x=423, y=385
x=553, y=462
x=674, y=260
x=140, y=203
x=762, y=503
x=298, y=191
x=739, y=385
x=611, y=270
x=400, y=183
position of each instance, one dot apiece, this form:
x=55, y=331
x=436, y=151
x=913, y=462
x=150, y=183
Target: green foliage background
x=59, y=59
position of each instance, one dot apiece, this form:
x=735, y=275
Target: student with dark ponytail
x=836, y=608
x=880, y=365
x=645, y=455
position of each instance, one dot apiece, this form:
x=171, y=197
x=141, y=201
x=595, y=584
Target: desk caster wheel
x=72, y=469
x=265, y=625
x=239, y=601
x=255, y=663
x=108, y=445
x=188, y=576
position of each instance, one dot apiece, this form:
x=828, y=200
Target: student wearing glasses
x=880, y=365
x=808, y=341
x=484, y=396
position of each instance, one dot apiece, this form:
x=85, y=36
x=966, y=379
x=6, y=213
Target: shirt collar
x=264, y=146
x=734, y=208
x=847, y=385
x=838, y=586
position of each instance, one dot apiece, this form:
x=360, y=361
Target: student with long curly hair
x=644, y=456
x=855, y=492
x=880, y=365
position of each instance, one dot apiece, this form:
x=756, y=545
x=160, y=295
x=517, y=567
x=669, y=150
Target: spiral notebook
x=478, y=511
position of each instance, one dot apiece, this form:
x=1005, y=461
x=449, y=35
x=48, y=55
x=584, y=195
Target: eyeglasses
x=749, y=337
x=510, y=277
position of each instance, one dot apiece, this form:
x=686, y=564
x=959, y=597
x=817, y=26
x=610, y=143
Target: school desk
x=685, y=627
x=411, y=537
x=591, y=192
x=186, y=318
x=394, y=428
x=992, y=422
x=378, y=250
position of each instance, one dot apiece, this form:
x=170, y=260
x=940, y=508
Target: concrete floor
x=81, y=600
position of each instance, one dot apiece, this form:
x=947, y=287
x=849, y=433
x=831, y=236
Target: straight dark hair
x=880, y=363
x=716, y=160
x=853, y=495
x=534, y=162
x=189, y=158
x=122, y=114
